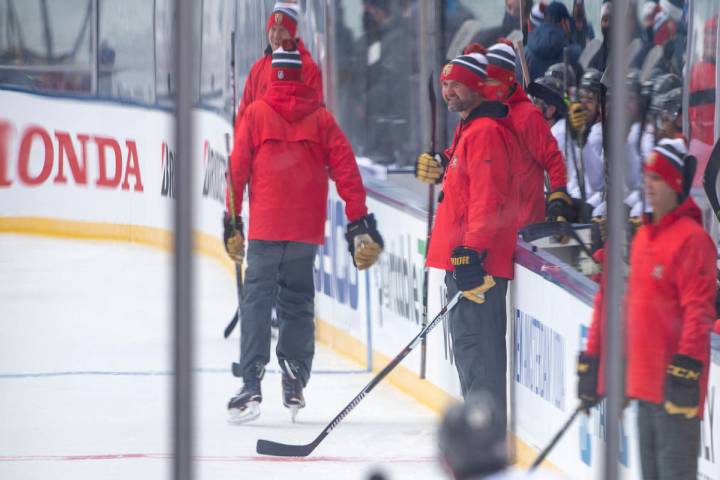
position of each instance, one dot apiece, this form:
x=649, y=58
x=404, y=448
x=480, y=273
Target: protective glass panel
x=45, y=45
x=126, y=65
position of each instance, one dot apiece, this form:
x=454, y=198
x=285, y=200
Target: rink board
x=93, y=170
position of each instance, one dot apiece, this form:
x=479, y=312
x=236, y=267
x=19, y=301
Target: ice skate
x=245, y=405
x=292, y=388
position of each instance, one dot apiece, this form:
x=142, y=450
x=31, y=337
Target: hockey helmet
x=669, y=102
x=550, y=90
x=472, y=436
x=557, y=70
x=592, y=81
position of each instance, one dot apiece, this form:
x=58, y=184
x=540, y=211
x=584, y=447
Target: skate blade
x=248, y=414
x=293, y=412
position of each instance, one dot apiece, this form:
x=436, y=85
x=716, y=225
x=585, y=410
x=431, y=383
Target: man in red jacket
x=282, y=25
x=286, y=147
x=475, y=230
x=669, y=312
x=540, y=149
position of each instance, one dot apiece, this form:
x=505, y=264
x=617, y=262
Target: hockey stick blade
x=231, y=325
x=266, y=447
x=536, y=231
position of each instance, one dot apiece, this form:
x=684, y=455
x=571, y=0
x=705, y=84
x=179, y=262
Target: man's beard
x=458, y=105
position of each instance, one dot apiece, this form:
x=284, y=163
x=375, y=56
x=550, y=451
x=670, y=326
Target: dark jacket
x=545, y=47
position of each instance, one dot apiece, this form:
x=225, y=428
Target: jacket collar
x=687, y=208
x=488, y=110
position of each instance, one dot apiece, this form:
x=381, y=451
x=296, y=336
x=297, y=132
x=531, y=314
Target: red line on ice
x=207, y=458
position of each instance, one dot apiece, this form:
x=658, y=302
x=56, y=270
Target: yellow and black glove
x=233, y=238
x=560, y=207
x=365, y=243
x=470, y=275
x=682, y=386
x=577, y=117
x=430, y=168
x=587, y=371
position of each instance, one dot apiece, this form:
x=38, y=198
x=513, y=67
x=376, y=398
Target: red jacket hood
x=292, y=100
x=688, y=208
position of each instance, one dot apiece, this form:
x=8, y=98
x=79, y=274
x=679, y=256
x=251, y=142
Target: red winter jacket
x=287, y=146
x=669, y=305
x=540, y=155
x=479, y=202
x=258, y=79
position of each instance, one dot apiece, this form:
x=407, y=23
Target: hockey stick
x=710, y=179
x=555, y=439
x=238, y=268
x=536, y=231
x=266, y=447
x=431, y=214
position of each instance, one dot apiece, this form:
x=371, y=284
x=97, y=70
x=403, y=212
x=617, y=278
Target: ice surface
x=85, y=385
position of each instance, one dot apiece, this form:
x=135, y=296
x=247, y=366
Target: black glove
x=233, y=238
x=587, y=370
x=560, y=207
x=682, y=386
x=364, y=241
x=469, y=274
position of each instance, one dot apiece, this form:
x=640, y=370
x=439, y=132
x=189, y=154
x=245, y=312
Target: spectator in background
x=647, y=22
x=580, y=29
x=546, y=43
x=389, y=64
x=510, y=22
x=601, y=58
x=537, y=15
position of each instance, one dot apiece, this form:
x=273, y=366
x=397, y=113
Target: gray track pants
x=278, y=274
x=669, y=444
x=478, y=338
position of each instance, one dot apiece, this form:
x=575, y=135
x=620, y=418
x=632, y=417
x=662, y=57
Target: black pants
x=669, y=444
x=278, y=274
x=478, y=339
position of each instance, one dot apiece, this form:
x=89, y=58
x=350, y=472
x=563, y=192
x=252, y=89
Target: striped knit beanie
x=470, y=68
x=286, y=63
x=537, y=15
x=286, y=15
x=667, y=159
x=501, y=62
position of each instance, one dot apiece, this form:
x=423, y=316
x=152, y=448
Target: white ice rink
x=85, y=384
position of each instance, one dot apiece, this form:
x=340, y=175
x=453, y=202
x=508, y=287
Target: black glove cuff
x=682, y=381
x=469, y=271
x=363, y=225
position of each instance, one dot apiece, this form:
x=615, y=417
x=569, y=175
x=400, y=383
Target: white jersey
x=591, y=156
x=633, y=179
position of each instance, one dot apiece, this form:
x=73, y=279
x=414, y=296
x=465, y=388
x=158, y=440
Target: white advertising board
x=102, y=162
x=105, y=163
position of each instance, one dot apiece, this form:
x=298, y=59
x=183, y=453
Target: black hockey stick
x=555, y=439
x=431, y=214
x=536, y=231
x=238, y=268
x=710, y=179
x=266, y=447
